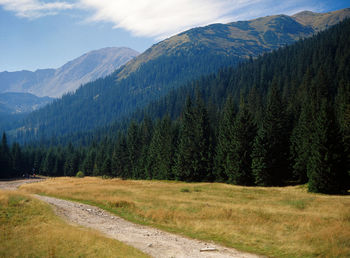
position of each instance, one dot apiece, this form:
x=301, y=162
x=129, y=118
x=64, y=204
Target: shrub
x=80, y=174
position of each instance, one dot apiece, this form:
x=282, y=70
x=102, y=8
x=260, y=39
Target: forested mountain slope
x=14, y=103
x=165, y=66
x=278, y=120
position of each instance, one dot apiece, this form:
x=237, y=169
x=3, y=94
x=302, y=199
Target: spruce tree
x=224, y=149
x=120, y=158
x=49, y=163
x=193, y=159
x=17, y=159
x=106, y=169
x=146, y=132
x=239, y=163
x=343, y=115
x=300, y=144
x=88, y=163
x=183, y=168
x=300, y=139
x=270, y=150
x=5, y=158
x=161, y=151
x=326, y=167
x=134, y=149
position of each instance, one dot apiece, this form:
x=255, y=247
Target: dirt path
x=149, y=240
x=14, y=184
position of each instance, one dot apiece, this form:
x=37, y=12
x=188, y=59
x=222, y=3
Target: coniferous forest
x=280, y=119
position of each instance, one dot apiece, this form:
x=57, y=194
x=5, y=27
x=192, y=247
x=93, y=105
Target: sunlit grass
x=29, y=228
x=276, y=221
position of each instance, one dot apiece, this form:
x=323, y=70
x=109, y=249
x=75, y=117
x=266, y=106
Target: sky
x=38, y=34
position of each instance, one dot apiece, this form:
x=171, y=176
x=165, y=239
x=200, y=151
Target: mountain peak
x=321, y=21
x=56, y=82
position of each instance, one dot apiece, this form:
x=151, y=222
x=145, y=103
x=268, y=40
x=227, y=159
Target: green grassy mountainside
x=240, y=39
x=168, y=65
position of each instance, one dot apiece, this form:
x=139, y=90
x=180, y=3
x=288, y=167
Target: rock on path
x=149, y=240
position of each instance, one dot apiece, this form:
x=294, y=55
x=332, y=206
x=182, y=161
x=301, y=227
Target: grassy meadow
x=275, y=221
x=29, y=228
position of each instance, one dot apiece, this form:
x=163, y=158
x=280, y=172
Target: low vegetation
x=29, y=228
x=80, y=174
x=274, y=221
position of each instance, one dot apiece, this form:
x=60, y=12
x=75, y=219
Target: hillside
x=56, y=82
x=240, y=39
x=14, y=103
x=163, y=67
x=320, y=21
x=281, y=119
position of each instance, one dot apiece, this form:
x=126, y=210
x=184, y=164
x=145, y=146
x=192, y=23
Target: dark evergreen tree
x=194, y=158
x=343, y=114
x=5, y=159
x=48, y=164
x=326, y=167
x=161, y=151
x=107, y=167
x=120, y=158
x=72, y=162
x=89, y=162
x=224, y=149
x=59, y=163
x=302, y=131
x=239, y=167
x=17, y=160
x=270, y=151
x=300, y=144
x=146, y=132
x=134, y=149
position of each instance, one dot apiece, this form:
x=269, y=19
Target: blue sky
x=36, y=34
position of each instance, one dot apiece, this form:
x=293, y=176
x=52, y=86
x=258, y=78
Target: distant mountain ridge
x=15, y=103
x=56, y=82
x=241, y=38
x=321, y=21
x=169, y=64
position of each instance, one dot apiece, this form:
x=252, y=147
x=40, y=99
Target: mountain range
x=17, y=102
x=239, y=39
x=56, y=82
x=168, y=65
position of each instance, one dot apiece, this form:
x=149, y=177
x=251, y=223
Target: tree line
x=281, y=119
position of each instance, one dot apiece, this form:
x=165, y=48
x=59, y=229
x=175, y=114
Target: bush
x=80, y=174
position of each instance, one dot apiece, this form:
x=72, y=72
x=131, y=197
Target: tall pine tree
x=239, y=165
x=270, y=151
x=224, y=149
x=326, y=167
x=194, y=159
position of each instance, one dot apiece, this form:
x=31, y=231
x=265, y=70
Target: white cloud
x=34, y=8
x=161, y=18
x=158, y=18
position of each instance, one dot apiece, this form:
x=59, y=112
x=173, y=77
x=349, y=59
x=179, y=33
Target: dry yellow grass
x=29, y=228
x=276, y=221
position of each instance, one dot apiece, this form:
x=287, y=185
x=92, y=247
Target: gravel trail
x=14, y=184
x=149, y=240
